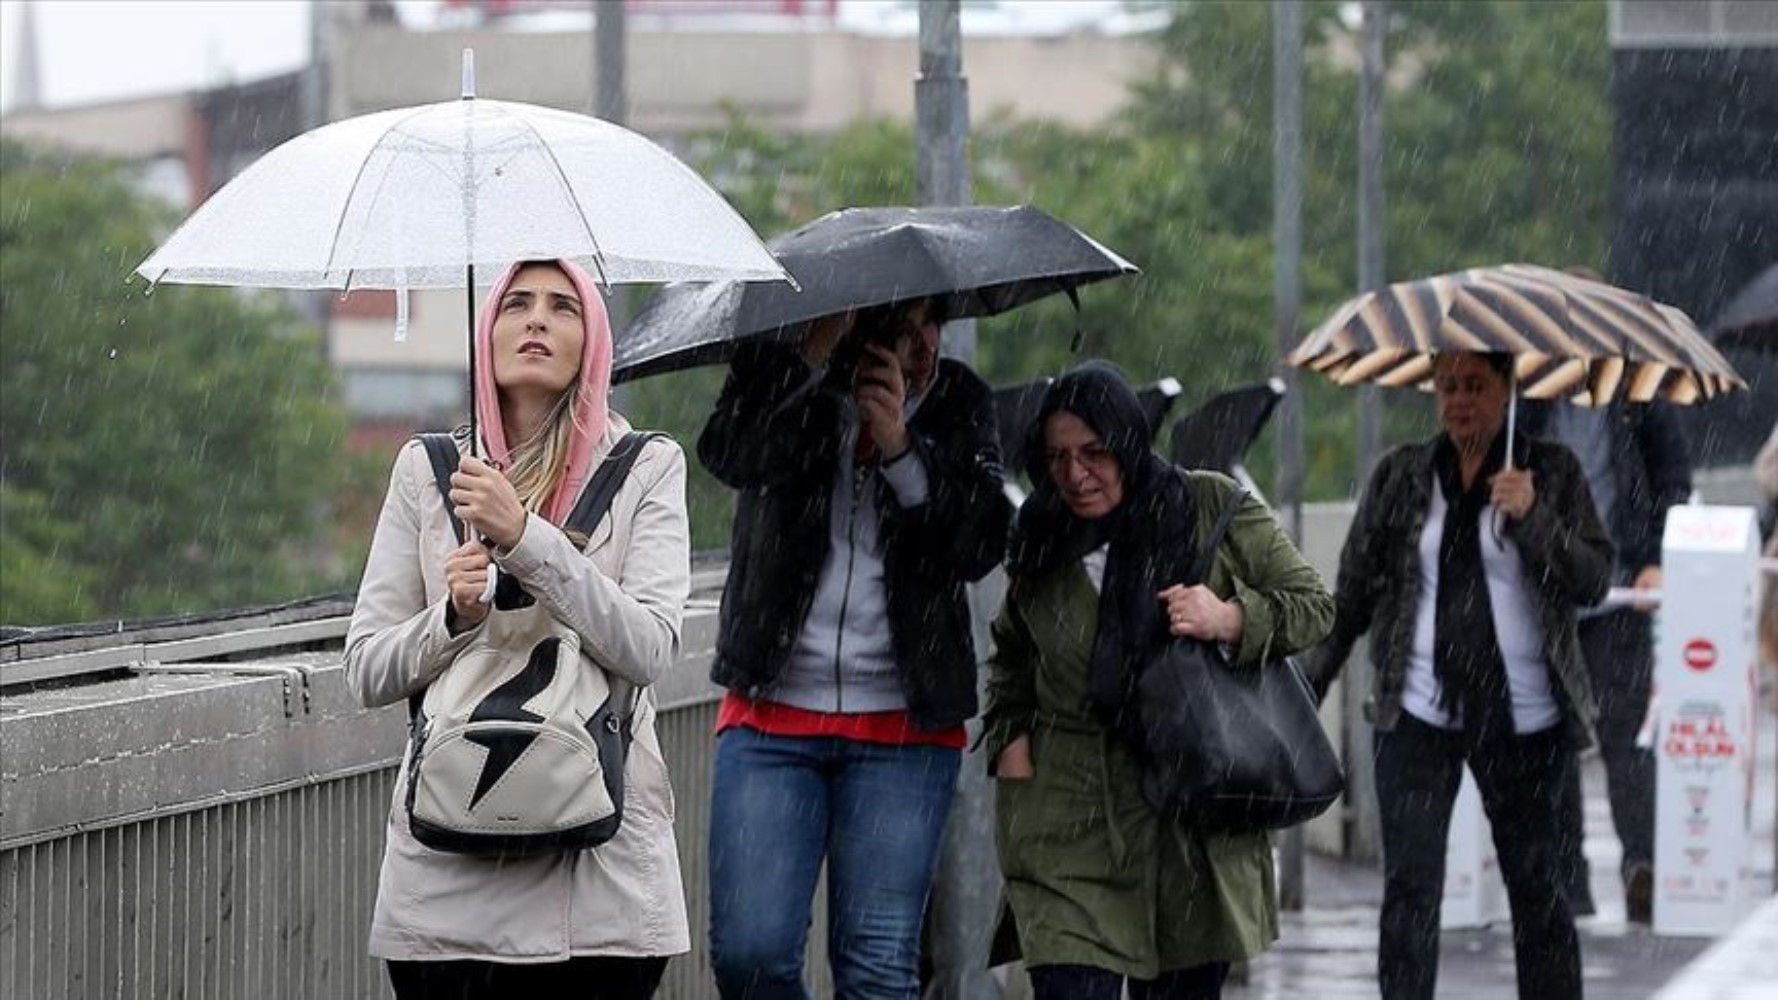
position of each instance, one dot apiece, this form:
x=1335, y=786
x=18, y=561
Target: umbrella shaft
x=469, y=303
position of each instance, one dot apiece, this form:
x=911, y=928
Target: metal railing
x=196, y=808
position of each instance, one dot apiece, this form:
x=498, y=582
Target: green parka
x=1093, y=876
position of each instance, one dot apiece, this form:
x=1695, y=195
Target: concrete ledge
x=125, y=750
x=173, y=737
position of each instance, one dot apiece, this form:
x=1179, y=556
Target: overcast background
x=100, y=50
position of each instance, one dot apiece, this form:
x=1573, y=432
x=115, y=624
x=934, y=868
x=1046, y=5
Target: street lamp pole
x=966, y=894
x=1287, y=301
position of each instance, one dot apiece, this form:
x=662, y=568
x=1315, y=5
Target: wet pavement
x=1330, y=948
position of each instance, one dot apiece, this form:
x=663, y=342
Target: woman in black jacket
x=1467, y=579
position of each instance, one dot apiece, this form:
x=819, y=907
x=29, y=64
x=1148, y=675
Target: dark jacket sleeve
x=771, y=422
x=966, y=514
x=1364, y=565
x=1561, y=536
x=1666, y=460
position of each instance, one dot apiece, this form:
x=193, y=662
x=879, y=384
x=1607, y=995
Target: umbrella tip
x=469, y=74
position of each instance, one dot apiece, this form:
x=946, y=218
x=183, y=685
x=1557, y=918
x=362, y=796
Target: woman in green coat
x=1100, y=888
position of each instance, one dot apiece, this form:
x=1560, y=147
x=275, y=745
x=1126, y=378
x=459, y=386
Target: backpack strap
x=442, y=450
x=595, y=498
x=594, y=503
x=590, y=509
x=1207, y=552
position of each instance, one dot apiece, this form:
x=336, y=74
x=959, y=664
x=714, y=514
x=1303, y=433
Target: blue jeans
x=783, y=803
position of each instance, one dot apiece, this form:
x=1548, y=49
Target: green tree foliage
x=1497, y=131
x=173, y=452
x=1497, y=149
x=1497, y=145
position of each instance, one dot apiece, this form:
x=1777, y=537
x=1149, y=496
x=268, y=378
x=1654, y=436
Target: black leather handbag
x=1227, y=748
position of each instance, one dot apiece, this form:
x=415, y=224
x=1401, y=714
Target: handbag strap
x=1200, y=567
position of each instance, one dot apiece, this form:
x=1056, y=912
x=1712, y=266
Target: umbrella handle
x=1512, y=421
x=1074, y=297
x=1512, y=414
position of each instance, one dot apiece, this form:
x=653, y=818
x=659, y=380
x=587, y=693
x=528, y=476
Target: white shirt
x=1516, y=628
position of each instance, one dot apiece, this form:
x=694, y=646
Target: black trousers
x=1085, y=982
x=1418, y=769
x=1619, y=651
x=588, y=978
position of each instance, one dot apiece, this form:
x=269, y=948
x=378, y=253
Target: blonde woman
x=599, y=923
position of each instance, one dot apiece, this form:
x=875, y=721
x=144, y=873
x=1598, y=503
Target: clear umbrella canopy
x=412, y=197
x=419, y=197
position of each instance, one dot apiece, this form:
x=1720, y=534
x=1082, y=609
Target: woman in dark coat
x=1467, y=578
x=1099, y=887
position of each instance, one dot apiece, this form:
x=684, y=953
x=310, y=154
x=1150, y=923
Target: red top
x=774, y=719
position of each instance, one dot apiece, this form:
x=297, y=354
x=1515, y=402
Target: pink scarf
x=591, y=413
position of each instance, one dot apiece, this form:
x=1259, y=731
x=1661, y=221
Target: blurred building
x=1694, y=94
x=787, y=65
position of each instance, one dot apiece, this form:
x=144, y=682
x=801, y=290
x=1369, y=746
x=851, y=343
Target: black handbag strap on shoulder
x=1206, y=556
x=594, y=500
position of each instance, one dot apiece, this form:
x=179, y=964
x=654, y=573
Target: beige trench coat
x=624, y=595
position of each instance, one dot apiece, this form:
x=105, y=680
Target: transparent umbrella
x=419, y=197
x=408, y=198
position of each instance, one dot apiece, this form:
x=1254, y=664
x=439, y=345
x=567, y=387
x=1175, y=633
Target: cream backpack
x=518, y=747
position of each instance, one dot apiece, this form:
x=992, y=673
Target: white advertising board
x=1705, y=693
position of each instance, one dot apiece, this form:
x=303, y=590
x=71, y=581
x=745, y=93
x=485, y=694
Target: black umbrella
x=1750, y=320
x=1217, y=434
x=985, y=260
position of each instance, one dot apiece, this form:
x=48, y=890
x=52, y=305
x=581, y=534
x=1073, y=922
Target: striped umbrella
x=1573, y=338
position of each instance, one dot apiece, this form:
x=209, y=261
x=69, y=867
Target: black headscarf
x=1149, y=532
